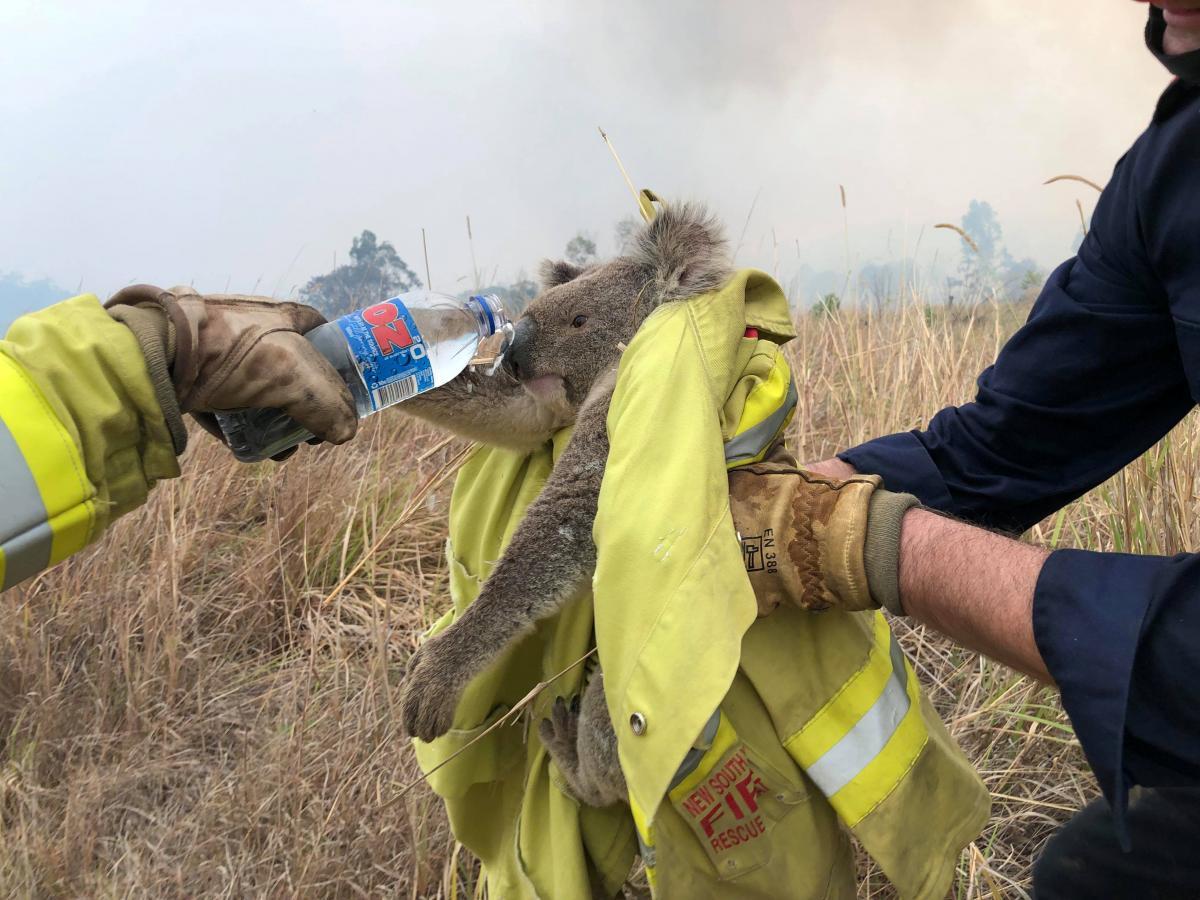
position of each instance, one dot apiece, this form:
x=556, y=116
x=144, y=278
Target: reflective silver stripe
x=842, y=762
x=756, y=439
x=649, y=854
x=26, y=554
x=25, y=535
x=698, y=750
x=21, y=506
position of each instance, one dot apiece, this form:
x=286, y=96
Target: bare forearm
x=968, y=583
x=973, y=586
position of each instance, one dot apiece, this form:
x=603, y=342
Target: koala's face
x=569, y=335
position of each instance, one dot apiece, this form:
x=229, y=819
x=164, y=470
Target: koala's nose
x=519, y=358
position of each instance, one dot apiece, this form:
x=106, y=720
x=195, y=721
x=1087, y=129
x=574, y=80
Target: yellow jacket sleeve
x=82, y=438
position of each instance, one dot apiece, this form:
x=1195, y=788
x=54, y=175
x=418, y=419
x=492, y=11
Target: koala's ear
x=684, y=252
x=555, y=272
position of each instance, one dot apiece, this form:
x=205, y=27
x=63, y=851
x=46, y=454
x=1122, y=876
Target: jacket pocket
x=479, y=760
x=733, y=801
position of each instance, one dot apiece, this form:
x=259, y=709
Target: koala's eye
x=578, y=321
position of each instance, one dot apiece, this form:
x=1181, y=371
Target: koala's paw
x=432, y=688
x=559, y=734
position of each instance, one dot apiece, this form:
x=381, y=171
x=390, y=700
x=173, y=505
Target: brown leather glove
x=214, y=352
x=814, y=541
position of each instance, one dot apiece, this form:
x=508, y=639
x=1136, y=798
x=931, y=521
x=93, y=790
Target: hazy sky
x=245, y=143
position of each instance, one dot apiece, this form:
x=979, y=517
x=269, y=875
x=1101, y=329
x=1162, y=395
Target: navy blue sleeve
x=1091, y=381
x=1121, y=636
x=1107, y=363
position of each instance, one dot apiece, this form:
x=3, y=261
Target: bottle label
x=389, y=351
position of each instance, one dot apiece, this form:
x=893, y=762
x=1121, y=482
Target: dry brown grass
x=204, y=704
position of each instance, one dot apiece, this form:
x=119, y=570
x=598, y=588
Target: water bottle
x=386, y=354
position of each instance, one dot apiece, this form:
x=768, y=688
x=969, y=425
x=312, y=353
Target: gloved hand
x=814, y=541
x=214, y=352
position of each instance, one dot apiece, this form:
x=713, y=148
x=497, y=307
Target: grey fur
x=571, y=333
x=553, y=272
x=494, y=410
x=684, y=251
x=583, y=744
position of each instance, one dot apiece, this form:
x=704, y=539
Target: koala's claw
x=431, y=692
x=560, y=732
x=579, y=738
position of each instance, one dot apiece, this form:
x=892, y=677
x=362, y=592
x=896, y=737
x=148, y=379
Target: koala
x=560, y=368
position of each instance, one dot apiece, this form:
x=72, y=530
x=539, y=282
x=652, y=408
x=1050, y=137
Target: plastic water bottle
x=386, y=354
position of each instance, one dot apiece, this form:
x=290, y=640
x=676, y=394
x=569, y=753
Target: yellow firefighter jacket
x=82, y=438
x=744, y=743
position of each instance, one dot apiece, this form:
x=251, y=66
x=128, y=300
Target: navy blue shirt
x=1108, y=363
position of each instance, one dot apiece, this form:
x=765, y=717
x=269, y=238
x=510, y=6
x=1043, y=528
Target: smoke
x=715, y=50
x=248, y=145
